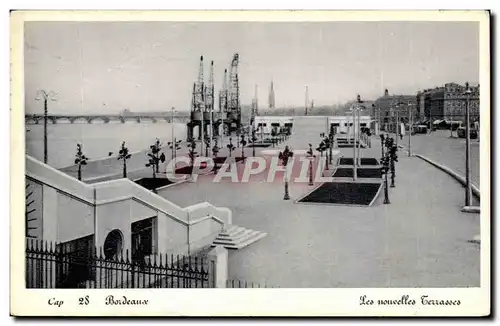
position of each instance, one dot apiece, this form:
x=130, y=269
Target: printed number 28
x=84, y=301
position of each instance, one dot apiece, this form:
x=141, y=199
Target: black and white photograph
x=242, y=154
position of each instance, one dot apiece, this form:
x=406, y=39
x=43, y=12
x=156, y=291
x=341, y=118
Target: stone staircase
x=237, y=237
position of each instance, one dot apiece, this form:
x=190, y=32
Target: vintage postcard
x=239, y=163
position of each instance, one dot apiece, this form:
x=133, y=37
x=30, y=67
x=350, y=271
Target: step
x=248, y=242
x=232, y=234
x=247, y=234
x=231, y=230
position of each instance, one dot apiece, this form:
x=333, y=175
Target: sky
x=151, y=66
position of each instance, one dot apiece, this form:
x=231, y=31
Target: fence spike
x=126, y=258
x=196, y=264
x=121, y=256
x=160, y=261
x=100, y=253
x=178, y=271
x=36, y=246
x=154, y=260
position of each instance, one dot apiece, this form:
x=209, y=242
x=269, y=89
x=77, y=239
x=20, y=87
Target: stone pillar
x=218, y=266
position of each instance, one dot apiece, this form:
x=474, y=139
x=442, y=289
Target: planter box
x=361, y=172
x=153, y=183
x=343, y=193
x=364, y=161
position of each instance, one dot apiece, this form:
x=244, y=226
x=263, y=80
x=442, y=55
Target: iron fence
x=52, y=266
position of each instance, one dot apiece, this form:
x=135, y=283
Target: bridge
x=106, y=118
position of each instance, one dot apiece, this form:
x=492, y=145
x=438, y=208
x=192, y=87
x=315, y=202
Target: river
x=98, y=139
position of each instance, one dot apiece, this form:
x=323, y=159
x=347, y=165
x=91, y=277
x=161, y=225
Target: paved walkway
x=419, y=240
x=441, y=148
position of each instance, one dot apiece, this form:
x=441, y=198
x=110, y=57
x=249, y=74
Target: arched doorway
x=113, y=245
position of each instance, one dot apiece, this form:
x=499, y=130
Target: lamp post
x=211, y=112
x=410, y=121
x=392, y=150
x=356, y=126
x=354, y=161
x=172, y=122
x=382, y=143
x=45, y=96
x=385, y=170
x=397, y=123
x=310, y=154
x=202, y=112
x=358, y=132
x=468, y=187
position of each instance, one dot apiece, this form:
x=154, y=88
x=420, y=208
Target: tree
x=155, y=158
x=331, y=137
x=215, y=148
x=253, y=140
x=192, y=153
x=207, y=144
x=174, y=145
x=393, y=158
x=124, y=155
x=384, y=161
x=328, y=146
x=273, y=136
x=230, y=146
x=284, y=157
x=215, y=151
x=80, y=160
x=155, y=155
x=321, y=148
x=243, y=143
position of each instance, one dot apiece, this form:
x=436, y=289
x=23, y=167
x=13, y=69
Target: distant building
x=386, y=106
x=447, y=103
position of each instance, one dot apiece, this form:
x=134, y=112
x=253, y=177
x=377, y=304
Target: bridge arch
x=97, y=118
x=63, y=119
x=32, y=120
x=79, y=119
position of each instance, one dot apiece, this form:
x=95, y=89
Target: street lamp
x=41, y=94
x=410, y=122
x=397, y=122
x=468, y=187
x=356, y=125
x=310, y=155
x=172, y=123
